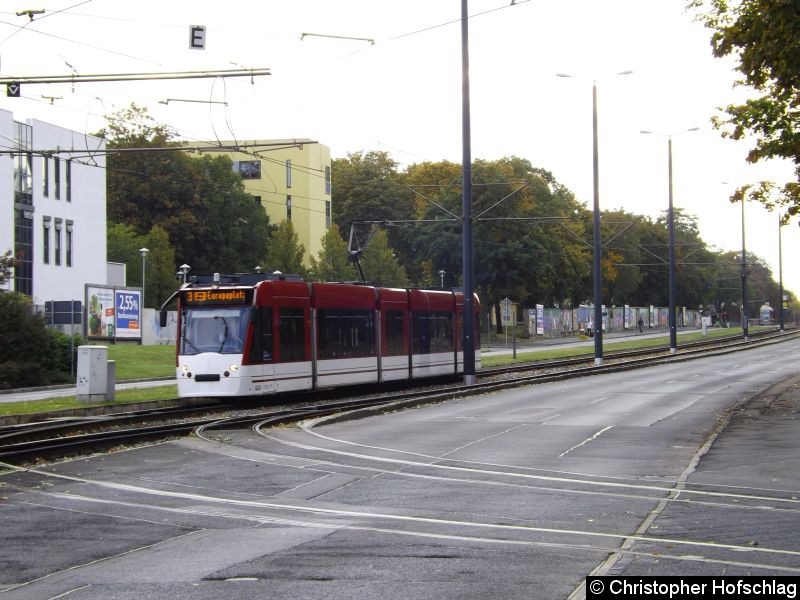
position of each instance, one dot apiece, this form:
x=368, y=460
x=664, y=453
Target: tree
x=381, y=265
x=368, y=187
x=7, y=262
x=213, y=224
x=332, y=263
x=161, y=271
x=763, y=35
x=31, y=354
x=285, y=252
x=123, y=246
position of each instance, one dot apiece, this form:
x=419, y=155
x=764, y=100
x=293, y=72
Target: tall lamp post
x=780, y=275
x=143, y=252
x=672, y=317
x=744, y=279
x=596, y=245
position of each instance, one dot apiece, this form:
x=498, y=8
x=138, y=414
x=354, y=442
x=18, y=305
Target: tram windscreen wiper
x=225, y=322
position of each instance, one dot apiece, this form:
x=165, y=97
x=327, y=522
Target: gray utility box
x=92, y=373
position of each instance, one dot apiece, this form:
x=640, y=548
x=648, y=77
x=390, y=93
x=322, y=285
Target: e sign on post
x=197, y=37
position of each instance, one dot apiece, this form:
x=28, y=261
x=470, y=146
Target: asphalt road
x=683, y=468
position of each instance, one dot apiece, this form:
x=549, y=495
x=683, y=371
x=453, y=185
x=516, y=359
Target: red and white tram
x=256, y=334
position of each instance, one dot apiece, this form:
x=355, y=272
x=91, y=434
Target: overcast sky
x=399, y=89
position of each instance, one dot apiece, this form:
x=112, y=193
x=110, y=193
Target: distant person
x=640, y=323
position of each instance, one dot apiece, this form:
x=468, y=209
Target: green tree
x=213, y=224
x=332, y=263
x=380, y=264
x=762, y=35
x=160, y=277
x=368, y=187
x=7, y=262
x=31, y=354
x=285, y=252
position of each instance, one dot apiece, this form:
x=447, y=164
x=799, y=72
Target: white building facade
x=53, y=207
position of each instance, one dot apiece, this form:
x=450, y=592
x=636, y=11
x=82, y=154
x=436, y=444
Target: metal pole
x=598, y=282
x=143, y=252
x=673, y=335
x=466, y=191
x=780, y=275
x=744, y=279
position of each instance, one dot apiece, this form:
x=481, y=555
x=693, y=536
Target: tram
x=259, y=334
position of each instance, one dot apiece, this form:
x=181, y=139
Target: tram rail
x=49, y=439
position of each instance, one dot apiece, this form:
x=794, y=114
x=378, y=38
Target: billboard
x=113, y=313
x=127, y=314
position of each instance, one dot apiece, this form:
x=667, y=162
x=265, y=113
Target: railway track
x=49, y=439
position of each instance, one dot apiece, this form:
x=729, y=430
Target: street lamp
x=745, y=323
x=184, y=269
x=597, y=246
x=673, y=331
x=780, y=274
x=143, y=252
x=441, y=277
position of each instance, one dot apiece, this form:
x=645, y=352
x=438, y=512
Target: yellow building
x=291, y=179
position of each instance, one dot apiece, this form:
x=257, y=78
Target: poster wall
x=113, y=313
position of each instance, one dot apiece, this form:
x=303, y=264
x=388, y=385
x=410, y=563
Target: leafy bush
x=31, y=354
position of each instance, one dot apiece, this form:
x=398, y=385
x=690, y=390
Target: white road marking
x=586, y=441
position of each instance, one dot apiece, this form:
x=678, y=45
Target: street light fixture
x=143, y=252
x=673, y=331
x=184, y=269
x=597, y=246
x=441, y=277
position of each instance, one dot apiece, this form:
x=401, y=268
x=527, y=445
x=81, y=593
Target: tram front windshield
x=214, y=329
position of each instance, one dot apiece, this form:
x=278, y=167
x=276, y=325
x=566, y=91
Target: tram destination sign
x=217, y=296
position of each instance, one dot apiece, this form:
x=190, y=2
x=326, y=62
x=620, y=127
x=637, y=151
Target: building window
x=328, y=214
x=69, y=243
x=288, y=208
x=68, y=181
x=248, y=169
x=57, y=177
x=57, y=241
x=257, y=200
x=46, y=240
x=45, y=176
x=23, y=209
x=328, y=180
x=288, y=173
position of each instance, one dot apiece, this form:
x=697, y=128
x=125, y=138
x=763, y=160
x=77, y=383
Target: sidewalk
x=499, y=345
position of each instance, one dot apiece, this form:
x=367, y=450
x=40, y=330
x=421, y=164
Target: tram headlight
x=233, y=368
x=184, y=369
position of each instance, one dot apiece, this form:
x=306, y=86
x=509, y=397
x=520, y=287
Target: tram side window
x=394, y=333
x=261, y=349
x=292, y=334
x=345, y=333
x=433, y=332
